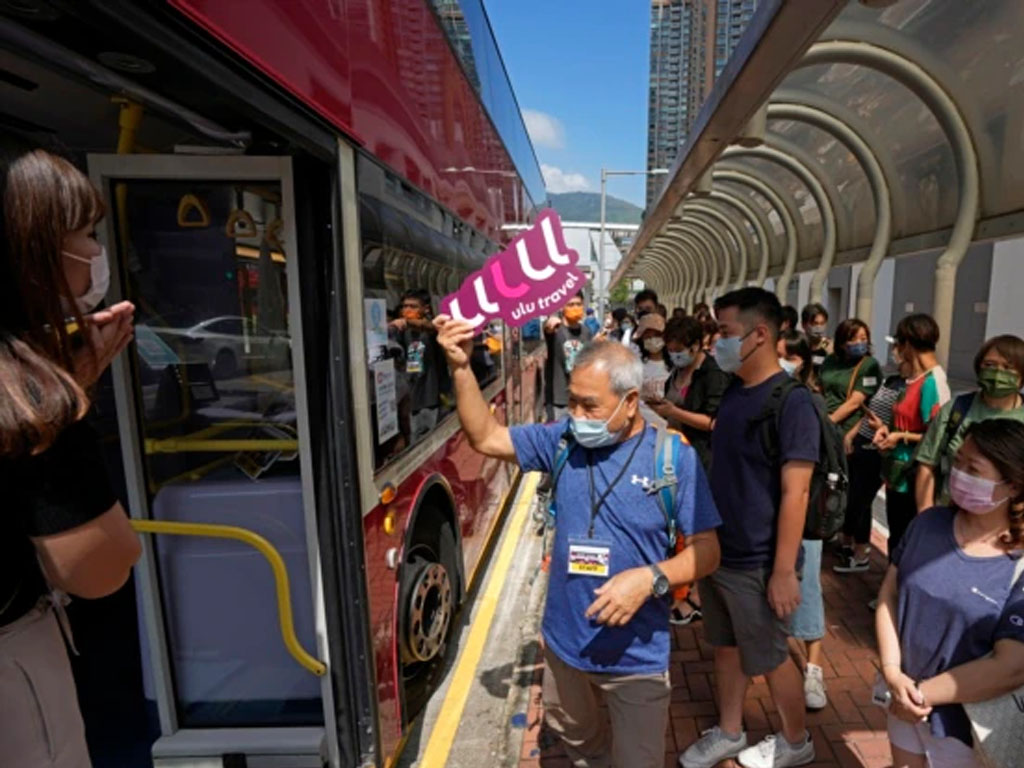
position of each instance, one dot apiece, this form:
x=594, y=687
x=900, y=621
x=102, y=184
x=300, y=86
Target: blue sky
x=579, y=70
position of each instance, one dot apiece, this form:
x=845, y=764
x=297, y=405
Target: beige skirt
x=40, y=725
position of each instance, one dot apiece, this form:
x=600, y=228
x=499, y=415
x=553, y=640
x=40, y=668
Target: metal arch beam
x=662, y=255
x=692, y=263
x=702, y=243
x=711, y=230
x=951, y=119
x=788, y=223
x=706, y=207
x=777, y=253
x=661, y=281
x=828, y=214
x=878, y=180
x=706, y=252
x=653, y=275
x=672, y=263
x=679, y=258
x=861, y=127
x=749, y=211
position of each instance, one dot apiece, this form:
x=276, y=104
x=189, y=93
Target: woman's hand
x=882, y=436
x=908, y=703
x=891, y=440
x=107, y=332
x=848, y=441
x=661, y=407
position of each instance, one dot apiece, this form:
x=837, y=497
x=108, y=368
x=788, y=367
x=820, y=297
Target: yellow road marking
x=443, y=735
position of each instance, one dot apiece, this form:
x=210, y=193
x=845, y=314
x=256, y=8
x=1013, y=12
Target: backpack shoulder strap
x=771, y=416
x=961, y=405
x=666, y=455
x=565, y=446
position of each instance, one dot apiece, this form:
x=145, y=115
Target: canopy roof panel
x=969, y=52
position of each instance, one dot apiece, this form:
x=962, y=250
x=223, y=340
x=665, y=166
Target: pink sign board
x=535, y=275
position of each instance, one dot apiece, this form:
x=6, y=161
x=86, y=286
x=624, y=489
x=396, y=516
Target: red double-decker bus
x=282, y=178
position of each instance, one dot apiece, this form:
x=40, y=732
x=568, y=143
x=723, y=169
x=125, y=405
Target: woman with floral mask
x=850, y=375
x=62, y=530
x=650, y=338
x=950, y=619
x=999, y=366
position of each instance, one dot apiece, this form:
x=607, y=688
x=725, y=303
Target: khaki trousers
x=637, y=708
x=40, y=725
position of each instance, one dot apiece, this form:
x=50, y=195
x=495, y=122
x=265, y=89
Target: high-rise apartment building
x=691, y=40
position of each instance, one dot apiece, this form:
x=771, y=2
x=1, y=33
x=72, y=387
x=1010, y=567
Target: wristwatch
x=660, y=585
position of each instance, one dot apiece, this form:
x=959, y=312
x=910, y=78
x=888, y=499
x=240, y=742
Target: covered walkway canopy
x=844, y=133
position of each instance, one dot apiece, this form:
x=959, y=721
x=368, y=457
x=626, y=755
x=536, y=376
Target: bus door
x=213, y=419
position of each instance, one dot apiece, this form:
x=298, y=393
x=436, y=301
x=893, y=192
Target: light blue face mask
x=789, y=367
x=857, y=350
x=728, y=354
x=593, y=433
x=680, y=359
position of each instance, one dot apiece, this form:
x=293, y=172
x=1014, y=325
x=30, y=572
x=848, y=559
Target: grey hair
x=624, y=366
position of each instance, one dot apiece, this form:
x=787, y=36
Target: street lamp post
x=602, y=288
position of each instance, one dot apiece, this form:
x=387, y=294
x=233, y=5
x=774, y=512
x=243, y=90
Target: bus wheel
x=428, y=598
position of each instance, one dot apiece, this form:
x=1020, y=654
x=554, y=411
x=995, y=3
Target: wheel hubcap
x=430, y=612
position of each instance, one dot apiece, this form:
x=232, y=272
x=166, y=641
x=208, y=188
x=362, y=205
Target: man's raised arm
x=484, y=432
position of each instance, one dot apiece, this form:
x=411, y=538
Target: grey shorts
x=737, y=614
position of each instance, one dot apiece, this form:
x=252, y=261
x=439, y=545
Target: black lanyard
x=596, y=506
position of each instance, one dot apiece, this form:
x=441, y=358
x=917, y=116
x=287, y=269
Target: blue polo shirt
x=632, y=524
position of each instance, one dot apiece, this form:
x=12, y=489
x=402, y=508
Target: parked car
x=230, y=345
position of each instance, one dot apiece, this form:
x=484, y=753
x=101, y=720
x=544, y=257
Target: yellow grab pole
x=284, y=601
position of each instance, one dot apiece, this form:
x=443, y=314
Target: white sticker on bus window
x=375, y=320
x=870, y=381
x=387, y=402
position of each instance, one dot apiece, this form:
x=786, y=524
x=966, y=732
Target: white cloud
x=556, y=180
x=545, y=131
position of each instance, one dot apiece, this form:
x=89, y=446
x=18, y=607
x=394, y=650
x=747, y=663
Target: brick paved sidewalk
x=849, y=732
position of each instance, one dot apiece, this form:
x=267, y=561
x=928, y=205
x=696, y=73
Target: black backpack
x=826, y=506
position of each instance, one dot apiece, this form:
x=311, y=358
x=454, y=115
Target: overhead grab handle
x=188, y=205
x=277, y=566
x=240, y=224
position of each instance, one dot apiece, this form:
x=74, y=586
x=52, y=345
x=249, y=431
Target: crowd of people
x=747, y=395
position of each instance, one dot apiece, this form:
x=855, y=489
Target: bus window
x=407, y=270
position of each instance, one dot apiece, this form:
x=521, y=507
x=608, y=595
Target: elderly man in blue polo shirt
x=606, y=623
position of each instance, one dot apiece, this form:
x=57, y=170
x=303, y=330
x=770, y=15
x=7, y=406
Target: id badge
x=414, y=357
x=589, y=557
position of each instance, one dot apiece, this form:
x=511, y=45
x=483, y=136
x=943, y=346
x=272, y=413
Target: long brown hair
x=45, y=198
x=1001, y=441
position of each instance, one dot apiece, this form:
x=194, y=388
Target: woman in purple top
x=950, y=622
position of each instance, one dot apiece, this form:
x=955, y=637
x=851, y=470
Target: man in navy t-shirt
x=763, y=504
x=612, y=570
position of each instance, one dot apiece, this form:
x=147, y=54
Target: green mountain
x=586, y=206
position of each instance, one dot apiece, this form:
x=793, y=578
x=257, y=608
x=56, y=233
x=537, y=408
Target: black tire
x=429, y=594
x=225, y=364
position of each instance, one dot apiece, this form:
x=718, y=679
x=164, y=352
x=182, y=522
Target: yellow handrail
x=284, y=601
x=189, y=445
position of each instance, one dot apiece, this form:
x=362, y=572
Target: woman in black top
x=62, y=530
x=694, y=388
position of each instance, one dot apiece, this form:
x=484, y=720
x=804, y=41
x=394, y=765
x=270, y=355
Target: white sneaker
x=712, y=748
x=775, y=752
x=814, y=688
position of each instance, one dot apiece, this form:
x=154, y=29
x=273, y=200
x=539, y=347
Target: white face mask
x=99, y=280
x=654, y=344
